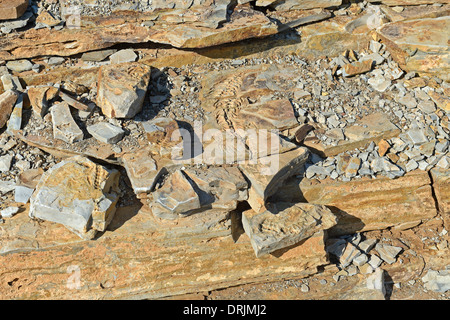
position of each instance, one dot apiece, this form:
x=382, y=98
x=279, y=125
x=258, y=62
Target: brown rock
x=383, y=147
x=441, y=186
x=7, y=101
x=302, y=132
x=441, y=101
x=368, y=204
x=12, y=9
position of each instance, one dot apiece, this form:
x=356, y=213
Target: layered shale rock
x=79, y=194
x=122, y=88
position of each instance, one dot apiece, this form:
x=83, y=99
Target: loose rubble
x=314, y=136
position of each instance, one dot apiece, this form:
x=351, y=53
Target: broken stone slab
x=15, y=119
x=7, y=101
x=270, y=173
x=219, y=187
x=388, y=253
x=22, y=194
x=358, y=67
x=419, y=45
x=349, y=253
x=11, y=83
x=9, y=212
x=442, y=101
x=19, y=65
x=285, y=224
x=441, y=186
x=77, y=193
x=40, y=98
x=5, y=162
x=376, y=282
x=368, y=204
x=287, y=5
x=160, y=130
x=122, y=89
x=106, y=132
x=438, y=281
x=12, y=9
x=144, y=169
x=373, y=127
x=75, y=103
x=148, y=250
x=177, y=197
x=6, y=186
x=122, y=56
x=97, y=56
x=64, y=126
x=47, y=19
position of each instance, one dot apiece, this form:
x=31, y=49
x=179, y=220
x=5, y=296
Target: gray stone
x=444, y=162
x=427, y=106
x=377, y=58
x=22, y=194
x=106, y=132
x=285, y=224
x=411, y=165
x=11, y=83
x=9, y=212
x=385, y=166
x=19, y=65
x=126, y=55
x=387, y=252
x=350, y=252
x=15, y=120
x=442, y=146
x=97, y=56
x=5, y=162
x=64, y=126
x=438, y=281
x=77, y=193
x=367, y=245
x=379, y=83
x=408, y=100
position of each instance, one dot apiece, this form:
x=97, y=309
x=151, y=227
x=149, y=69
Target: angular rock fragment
x=123, y=56
x=12, y=9
x=122, y=89
x=64, y=127
x=160, y=130
x=176, y=197
x=358, y=67
x=219, y=187
x=40, y=97
x=15, y=119
x=19, y=65
x=9, y=212
x=106, y=132
x=376, y=281
x=47, y=19
x=11, y=83
x=284, y=225
x=79, y=194
x=7, y=101
x=22, y=194
x=286, y=5
x=388, y=253
x=142, y=170
x=5, y=162
x=269, y=174
x=438, y=281
x=97, y=56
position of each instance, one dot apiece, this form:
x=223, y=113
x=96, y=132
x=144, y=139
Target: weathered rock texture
x=12, y=9
x=369, y=204
x=77, y=193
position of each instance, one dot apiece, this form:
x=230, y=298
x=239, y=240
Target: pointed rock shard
x=39, y=98
x=142, y=170
x=64, y=127
x=79, y=194
x=7, y=101
x=176, y=197
x=122, y=89
x=15, y=120
x=12, y=9
x=106, y=132
x=270, y=172
x=388, y=253
x=284, y=225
